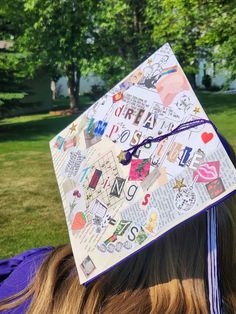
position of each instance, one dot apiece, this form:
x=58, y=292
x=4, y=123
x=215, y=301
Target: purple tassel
x=180, y=128
x=212, y=261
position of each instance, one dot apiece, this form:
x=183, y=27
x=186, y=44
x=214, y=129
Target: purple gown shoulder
x=17, y=272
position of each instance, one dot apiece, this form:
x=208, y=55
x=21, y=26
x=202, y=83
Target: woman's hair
x=170, y=276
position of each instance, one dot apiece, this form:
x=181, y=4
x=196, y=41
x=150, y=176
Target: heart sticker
x=207, y=137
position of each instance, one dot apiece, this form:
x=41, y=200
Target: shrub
x=206, y=81
x=97, y=91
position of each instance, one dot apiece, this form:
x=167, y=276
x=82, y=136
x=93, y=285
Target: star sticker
x=196, y=110
x=121, y=156
x=179, y=184
x=73, y=127
x=88, y=197
x=149, y=61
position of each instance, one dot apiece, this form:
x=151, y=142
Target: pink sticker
x=207, y=172
x=171, y=85
x=70, y=143
x=139, y=169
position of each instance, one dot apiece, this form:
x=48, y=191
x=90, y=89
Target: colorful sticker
x=171, y=85
x=95, y=178
x=141, y=237
x=79, y=221
x=215, y=188
x=152, y=221
x=87, y=266
x=112, y=238
x=122, y=227
x=59, y=142
x=207, y=172
x=117, y=97
x=139, y=169
x=69, y=143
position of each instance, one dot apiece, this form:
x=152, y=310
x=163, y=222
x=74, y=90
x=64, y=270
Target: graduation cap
x=138, y=162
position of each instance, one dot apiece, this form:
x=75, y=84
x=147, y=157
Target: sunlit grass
x=31, y=213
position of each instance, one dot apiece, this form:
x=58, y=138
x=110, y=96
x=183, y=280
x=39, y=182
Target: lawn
x=31, y=213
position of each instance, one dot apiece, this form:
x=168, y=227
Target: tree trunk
x=53, y=89
x=73, y=83
x=192, y=80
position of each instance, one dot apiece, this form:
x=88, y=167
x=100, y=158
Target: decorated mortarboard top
x=114, y=207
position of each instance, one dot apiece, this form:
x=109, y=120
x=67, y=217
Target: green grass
x=63, y=103
x=9, y=96
x=31, y=213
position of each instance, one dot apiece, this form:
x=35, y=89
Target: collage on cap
x=113, y=210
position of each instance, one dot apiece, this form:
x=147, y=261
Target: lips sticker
x=207, y=137
x=207, y=172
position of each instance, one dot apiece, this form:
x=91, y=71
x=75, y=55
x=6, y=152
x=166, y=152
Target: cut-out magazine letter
x=114, y=210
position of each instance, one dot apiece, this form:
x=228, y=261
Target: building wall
x=218, y=77
x=85, y=84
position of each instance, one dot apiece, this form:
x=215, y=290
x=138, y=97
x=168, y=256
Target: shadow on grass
x=34, y=130
x=214, y=103
x=47, y=125
x=62, y=103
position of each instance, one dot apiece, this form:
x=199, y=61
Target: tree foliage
x=58, y=34
x=196, y=29
x=218, y=35
x=12, y=67
x=111, y=37
x=177, y=22
x=130, y=30
x=11, y=60
x=122, y=34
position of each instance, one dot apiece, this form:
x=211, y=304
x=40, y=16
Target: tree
x=11, y=60
x=57, y=34
x=196, y=29
x=219, y=31
x=71, y=37
x=130, y=30
x=179, y=23
x=122, y=36
x=12, y=69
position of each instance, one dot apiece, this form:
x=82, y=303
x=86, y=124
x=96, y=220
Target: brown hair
x=170, y=276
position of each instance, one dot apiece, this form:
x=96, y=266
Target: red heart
x=207, y=137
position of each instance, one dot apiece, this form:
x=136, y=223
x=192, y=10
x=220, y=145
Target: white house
x=86, y=84
x=218, y=77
